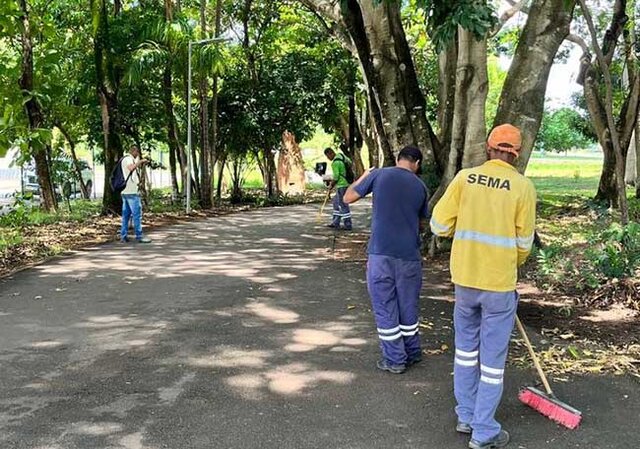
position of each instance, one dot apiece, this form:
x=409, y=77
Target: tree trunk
x=172, y=131
x=222, y=161
x=355, y=135
x=290, y=176
x=196, y=179
x=614, y=139
x=108, y=81
x=343, y=128
x=173, y=140
x=173, y=172
x=604, y=65
x=468, y=127
x=214, y=100
x=269, y=174
x=447, y=69
x=205, y=150
x=34, y=113
x=374, y=33
x=74, y=157
x=370, y=138
x=522, y=100
x=637, y=148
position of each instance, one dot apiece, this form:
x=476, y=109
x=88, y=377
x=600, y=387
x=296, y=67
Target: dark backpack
x=349, y=174
x=117, y=179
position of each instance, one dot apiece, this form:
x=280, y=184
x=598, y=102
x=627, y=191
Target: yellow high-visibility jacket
x=490, y=211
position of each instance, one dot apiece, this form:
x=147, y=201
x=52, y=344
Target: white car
x=31, y=185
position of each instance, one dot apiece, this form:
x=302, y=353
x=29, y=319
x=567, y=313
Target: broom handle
x=326, y=198
x=536, y=361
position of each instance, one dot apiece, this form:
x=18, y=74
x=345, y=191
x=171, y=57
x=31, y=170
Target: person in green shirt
x=340, y=182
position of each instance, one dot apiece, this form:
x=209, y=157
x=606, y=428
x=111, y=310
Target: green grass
x=560, y=176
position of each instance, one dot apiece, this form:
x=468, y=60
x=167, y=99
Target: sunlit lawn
x=576, y=174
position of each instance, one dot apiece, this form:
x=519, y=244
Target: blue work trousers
x=394, y=286
x=131, y=208
x=483, y=322
x=341, y=210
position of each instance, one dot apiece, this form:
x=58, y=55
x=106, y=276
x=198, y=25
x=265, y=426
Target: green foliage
x=497, y=77
x=24, y=213
x=286, y=76
x=445, y=16
x=10, y=238
x=616, y=253
x=563, y=130
x=256, y=198
x=19, y=215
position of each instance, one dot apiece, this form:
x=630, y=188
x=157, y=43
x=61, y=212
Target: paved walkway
x=242, y=332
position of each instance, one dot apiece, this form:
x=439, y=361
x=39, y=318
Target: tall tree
x=616, y=139
x=108, y=78
x=373, y=32
x=205, y=143
x=40, y=148
x=216, y=156
x=172, y=40
x=522, y=100
x=614, y=136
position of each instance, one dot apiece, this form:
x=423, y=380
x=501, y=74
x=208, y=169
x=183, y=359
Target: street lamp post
x=191, y=44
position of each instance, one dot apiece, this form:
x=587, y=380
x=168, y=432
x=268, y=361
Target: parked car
x=63, y=173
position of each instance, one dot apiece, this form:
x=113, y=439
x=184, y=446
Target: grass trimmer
x=326, y=199
x=546, y=403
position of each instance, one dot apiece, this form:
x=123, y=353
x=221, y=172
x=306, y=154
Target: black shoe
x=393, y=369
x=500, y=440
x=463, y=427
x=333, y=226
x=348, y=228
x=124, y=239
x=414, y=361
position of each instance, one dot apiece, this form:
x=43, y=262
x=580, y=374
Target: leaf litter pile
x=625, y=292
x=564, y=354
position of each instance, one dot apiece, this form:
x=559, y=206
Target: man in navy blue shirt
x=394, y=268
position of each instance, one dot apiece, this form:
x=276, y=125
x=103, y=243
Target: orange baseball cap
x=506, y=138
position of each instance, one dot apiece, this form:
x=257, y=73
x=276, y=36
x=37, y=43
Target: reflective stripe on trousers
x=341, y=210
x=394, y=286
x=483, y=324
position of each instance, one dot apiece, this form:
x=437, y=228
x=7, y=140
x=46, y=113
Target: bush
x=617, y=252
x=20, y=213
x=614, y=253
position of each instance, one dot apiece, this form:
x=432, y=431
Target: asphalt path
x=245, y=331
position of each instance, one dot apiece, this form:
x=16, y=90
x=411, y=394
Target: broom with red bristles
x=546, y=404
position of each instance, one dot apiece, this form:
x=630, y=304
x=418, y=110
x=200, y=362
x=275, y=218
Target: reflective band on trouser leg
x=466, y=320
x=382, y=289
x=408, y=286
x=499, y=310
x=336, y=210
x=345, y=210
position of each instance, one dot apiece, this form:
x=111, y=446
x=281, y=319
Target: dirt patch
x=570, y=337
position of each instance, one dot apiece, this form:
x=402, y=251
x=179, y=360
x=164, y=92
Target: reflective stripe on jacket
x=490, y=211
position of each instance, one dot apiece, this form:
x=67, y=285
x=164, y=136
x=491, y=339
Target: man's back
x=493, y=211
x=400, y=200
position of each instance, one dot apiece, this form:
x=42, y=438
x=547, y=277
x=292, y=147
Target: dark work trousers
x=394, y=286
x=341, y=210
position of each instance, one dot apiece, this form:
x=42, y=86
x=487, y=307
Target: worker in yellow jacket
x=490, y=213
